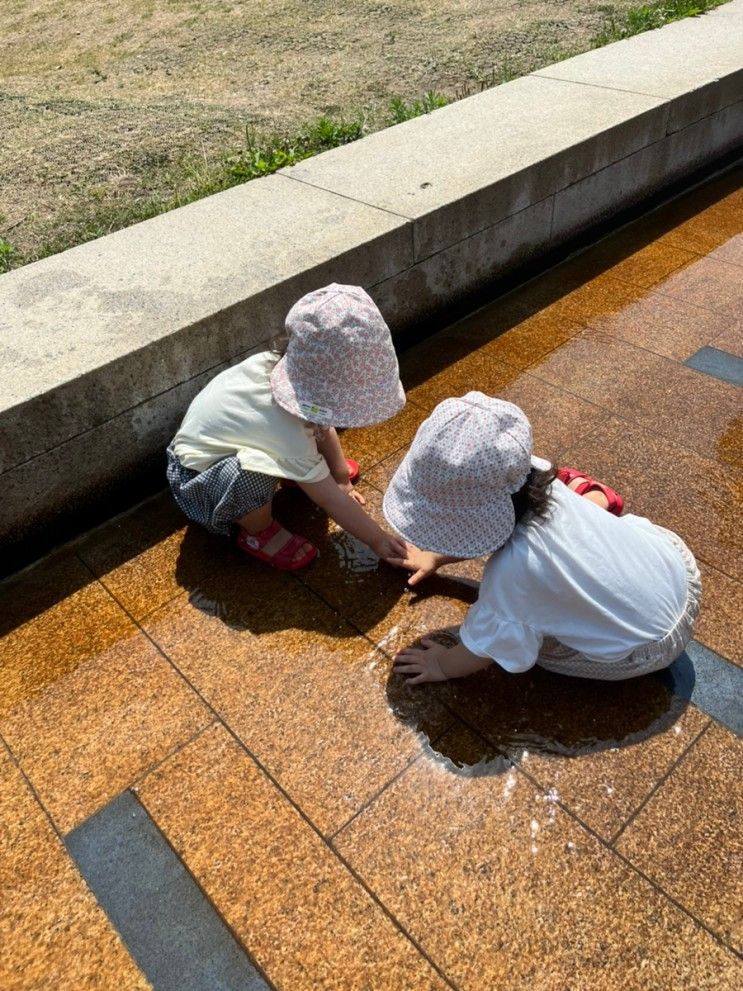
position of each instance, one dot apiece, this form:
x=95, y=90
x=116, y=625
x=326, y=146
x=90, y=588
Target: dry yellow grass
x=106, y=106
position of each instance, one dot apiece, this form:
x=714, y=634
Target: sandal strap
x=286, y=552
x=276, y=545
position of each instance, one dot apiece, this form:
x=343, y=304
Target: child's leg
x=600, y=494
x=259, y=520
x=593, y=496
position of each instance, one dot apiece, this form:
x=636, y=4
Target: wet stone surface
x=350, y=830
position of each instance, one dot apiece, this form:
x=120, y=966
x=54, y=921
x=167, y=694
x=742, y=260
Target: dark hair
x=279, y=342
x=533, y=498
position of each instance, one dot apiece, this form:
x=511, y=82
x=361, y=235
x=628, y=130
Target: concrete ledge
x=103, y=345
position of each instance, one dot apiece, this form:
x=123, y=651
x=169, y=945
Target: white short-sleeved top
x=600, y=584
x=236, y=414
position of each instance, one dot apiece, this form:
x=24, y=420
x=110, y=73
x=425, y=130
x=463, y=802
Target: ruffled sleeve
x=513, y=645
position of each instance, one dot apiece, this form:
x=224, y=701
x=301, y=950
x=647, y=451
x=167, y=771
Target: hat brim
x=349, y=413
x=455, y=532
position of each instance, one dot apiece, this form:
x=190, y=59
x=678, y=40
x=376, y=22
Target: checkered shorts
x=219, y=496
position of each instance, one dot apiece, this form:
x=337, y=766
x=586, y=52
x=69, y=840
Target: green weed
x=649, y=16
x=7, y=251
x=401, y=110
x=264, y=155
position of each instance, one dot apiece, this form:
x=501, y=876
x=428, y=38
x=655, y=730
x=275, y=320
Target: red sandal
x=353, y=475
x=568, y=475
x=263, y=546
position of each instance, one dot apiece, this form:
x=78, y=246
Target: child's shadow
x=543, y=713
x=248, y=594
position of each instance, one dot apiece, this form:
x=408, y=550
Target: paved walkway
x=222, y=751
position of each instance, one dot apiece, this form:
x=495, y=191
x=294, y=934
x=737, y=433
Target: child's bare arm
x=331, y=450
x=348, y=514
x=434, y=662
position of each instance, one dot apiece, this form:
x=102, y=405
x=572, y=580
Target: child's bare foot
x=277, y=547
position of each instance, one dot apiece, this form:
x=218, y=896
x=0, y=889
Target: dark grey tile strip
x=711, y=683
x=720, y=364
x=170, y=928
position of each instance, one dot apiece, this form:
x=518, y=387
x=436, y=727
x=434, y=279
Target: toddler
x=569, y=586
x=272, y=417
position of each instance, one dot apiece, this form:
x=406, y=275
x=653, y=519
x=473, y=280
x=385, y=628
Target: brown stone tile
x=731, y=340
x=687, y=838
x=599, y=297
x=515, y=339
x=706, y=230
x=713, y=284
x=370, y=445
x=664, y=325
x=136, y=555
x=53, y=934
x=381, y=474
x=55, y=617
x=697, y=498
x=718, y=625
x=438, y=604
x=629, y=258
x=557, y=416
x=676, y=402
x=295, y=907
x=302, y=689
x=604, y=788
x=532, y=338
x=597, y=747
x=502, y=889
x=731, y=251
x=88, y=735
x=432, y=379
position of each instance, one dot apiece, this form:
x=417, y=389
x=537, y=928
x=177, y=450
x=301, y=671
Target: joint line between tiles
x=663, y=778
x=645, y=427
x=172, y=753
x=370, y=801
x=214, y=907
x=633, y=867
x=298, y=809
x=334, y=852
x=32, y=789
x=682, y=908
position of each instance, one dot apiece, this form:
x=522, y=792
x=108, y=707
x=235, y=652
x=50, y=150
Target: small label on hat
x=316, y=413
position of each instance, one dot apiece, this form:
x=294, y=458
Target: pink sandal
x=279, y=555
x=568, y=475
x=353, y=475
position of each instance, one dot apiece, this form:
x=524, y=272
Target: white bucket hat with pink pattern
x=452, y=492
x=340, y=368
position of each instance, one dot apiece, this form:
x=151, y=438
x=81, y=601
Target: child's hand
x=422, y=663
x=390, y=549
x=422, y=563
x=435, y=662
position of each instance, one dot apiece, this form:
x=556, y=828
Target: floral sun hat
x=452, y=492
x=340, y=368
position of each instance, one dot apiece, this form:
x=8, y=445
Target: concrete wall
x=104, y=345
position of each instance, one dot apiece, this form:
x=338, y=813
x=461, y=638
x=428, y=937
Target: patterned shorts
x=219, y=496
x=555, y=656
